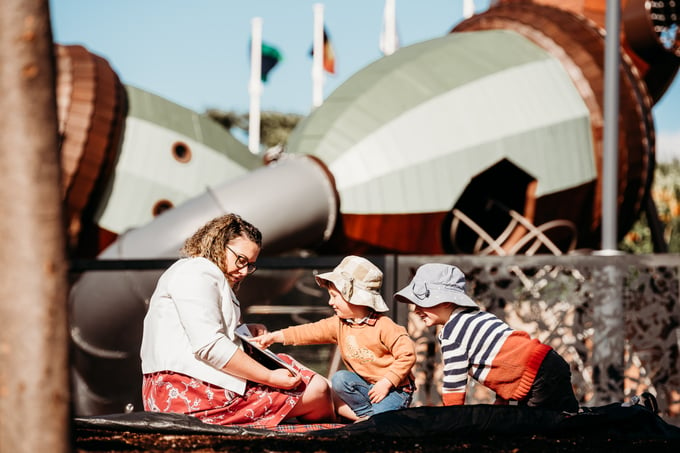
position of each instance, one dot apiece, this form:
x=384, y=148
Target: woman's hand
x=244, y=366
x=268, y=338
x=257, y=329
x=379, y=390
x=281, y=378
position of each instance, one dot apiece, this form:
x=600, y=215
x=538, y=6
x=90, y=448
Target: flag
x=270, y=58
x=328, y=53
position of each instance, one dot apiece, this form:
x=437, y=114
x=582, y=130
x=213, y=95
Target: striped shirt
x=477, y=344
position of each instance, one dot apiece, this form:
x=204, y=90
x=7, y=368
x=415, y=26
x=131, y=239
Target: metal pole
x=255, y=85
x=608, y=339
x=611, y=126
x=388, y=39
x=468, y=8
x=34, y=384
x=317, y=59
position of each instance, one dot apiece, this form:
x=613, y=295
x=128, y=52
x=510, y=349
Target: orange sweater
x=479, y=345
x=374, y=351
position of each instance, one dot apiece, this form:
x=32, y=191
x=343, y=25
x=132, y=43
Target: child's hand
x=500, y=401
x=379, y=390
x=257, y=329
x=268, y=338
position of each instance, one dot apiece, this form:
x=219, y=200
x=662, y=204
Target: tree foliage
x=666, y=195
x=275, y=127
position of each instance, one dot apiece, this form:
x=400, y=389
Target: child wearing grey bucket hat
x=378, y=353
x=476, y=344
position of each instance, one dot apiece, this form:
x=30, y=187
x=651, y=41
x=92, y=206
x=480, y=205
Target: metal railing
x=565, y=301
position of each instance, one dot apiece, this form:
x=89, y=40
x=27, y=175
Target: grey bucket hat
x=436, y=283
x=359, y=282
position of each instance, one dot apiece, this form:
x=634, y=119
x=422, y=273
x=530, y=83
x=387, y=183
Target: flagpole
x=255, y=85
x=468, y=8
x=389, y=38
x=317, y=58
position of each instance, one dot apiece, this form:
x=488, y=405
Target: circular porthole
x=181, y=152
x=161, y=206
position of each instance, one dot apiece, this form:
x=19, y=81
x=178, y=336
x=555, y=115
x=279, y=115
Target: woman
x=191, y=359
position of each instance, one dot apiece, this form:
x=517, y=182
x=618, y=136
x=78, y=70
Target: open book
x=264, y=356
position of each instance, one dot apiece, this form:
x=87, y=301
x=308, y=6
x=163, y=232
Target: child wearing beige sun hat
x=377, y=352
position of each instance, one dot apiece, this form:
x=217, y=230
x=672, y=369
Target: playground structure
x=484, y=141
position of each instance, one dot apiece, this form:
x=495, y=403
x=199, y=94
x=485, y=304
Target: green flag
x=270, y=58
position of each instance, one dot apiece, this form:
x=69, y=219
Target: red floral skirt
x=260, y=406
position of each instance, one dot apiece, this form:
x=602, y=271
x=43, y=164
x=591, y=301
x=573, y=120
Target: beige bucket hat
x=358, y=280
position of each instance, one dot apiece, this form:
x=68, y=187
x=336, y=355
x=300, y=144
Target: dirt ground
x=100, y=441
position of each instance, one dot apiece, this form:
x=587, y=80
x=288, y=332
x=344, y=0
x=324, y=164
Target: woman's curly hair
x=211, y=240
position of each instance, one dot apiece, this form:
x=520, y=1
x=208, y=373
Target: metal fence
x=616, y=320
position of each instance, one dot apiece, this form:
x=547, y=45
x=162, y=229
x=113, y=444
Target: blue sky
x=195, y=53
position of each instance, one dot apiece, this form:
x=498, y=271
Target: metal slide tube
x=292, y=201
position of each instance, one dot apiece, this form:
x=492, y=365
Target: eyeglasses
x=242, y=261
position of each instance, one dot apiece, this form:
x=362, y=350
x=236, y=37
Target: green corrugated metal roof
x=155, y=109
x=147, y=171
x=405, y=134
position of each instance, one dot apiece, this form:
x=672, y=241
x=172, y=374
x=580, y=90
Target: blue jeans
x=353, y=390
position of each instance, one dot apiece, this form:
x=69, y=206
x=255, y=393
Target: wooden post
x=34, y=389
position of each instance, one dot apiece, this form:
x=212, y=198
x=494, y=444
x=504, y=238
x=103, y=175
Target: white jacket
x=189, y=327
